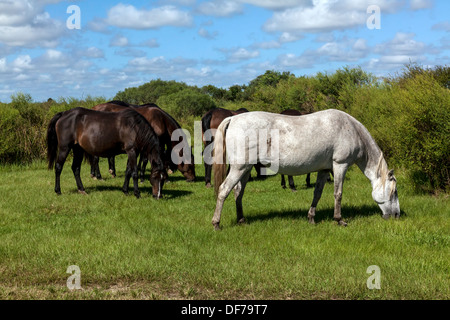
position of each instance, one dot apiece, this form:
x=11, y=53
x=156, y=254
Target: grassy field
x=167, y=249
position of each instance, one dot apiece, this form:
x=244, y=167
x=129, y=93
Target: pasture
x=128, y=248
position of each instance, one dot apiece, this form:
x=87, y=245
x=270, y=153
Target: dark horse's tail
x=206, y=121
x=52, y=141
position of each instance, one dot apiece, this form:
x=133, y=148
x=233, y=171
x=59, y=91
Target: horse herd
x=325, y=142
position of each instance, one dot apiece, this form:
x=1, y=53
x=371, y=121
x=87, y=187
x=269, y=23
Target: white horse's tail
x=220, y=153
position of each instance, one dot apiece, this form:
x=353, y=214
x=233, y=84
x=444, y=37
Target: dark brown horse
x=164, y=126
x=104, y=134
x=211, y=120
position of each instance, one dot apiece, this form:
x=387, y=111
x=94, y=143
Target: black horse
x=104, y=134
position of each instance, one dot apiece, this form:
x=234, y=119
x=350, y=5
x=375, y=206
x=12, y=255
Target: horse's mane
x=383, y=172
x=146, y=138
x=120, y=103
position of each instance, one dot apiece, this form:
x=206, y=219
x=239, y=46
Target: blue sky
x=222, y=42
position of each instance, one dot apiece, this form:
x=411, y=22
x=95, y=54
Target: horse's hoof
x=311, y=220
x=294, y=190
x=137, y=196
x=82, y=192
x=216, y=227
x=208, y=185
x=284, y=187
x=342, y=223
x=242, y=221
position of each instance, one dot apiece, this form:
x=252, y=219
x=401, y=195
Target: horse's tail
x=220, y=152
x=206, y=121
x=52, y=141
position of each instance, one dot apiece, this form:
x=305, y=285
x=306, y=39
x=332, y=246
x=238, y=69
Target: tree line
x=408, y=113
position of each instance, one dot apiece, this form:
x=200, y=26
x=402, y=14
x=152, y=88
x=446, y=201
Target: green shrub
x=188, y=102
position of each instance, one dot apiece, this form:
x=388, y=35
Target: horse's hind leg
x=339, y=174
x=238, y=195
x=112, y=166
x=283, y=182
x=62, y=156
x=320, y=183
x=230, y=182
x=78, y=155
x=308, y=180
x=291, y=183
x=208, y=169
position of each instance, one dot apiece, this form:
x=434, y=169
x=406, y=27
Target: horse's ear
x=391, y=174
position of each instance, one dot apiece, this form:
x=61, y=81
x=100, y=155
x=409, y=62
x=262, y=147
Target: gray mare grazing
x=321, y=141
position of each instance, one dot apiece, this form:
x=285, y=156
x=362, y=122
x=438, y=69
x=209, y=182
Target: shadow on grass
x=326, y=214
x=167, y=194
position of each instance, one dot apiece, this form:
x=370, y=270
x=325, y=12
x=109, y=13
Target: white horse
x=318, y=142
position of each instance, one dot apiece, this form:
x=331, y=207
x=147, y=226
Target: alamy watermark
x=74, y=281
x=74, y=21
x=374, y=20
x=244, y=147
x=374, y=281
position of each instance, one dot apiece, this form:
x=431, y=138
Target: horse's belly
x=302, y=165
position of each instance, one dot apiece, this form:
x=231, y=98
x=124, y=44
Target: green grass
x=130, y=248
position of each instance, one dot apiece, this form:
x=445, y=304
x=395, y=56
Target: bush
x=410, y=120
x=188, y=102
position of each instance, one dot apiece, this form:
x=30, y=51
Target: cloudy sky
x=120, y=44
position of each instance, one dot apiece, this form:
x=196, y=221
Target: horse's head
x=385, y=191
x=188, y=170
x=157, y=179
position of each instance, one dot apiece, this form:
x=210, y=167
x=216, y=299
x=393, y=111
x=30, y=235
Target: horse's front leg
x=132, y=163
x=126, y=183
x=142, y=166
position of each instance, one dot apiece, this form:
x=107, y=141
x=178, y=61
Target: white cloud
x=421, y=4
x=323, y=16
x=346, y=50
x=235, y=55
x=24, y=23
x=277, y=4
x=402, y=44
x=21, y=63
x=119, y=41
x=127, y=16
x=202, y=32
x=220, y=8
x=444, y=26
